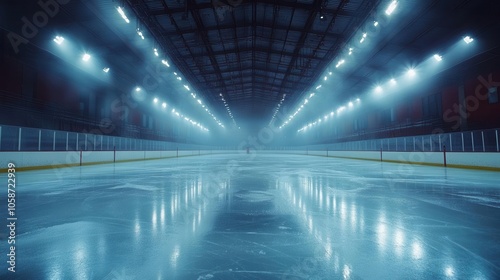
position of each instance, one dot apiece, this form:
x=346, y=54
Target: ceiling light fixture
x=468, y=39
x=86, y=57
x=139, y=32
x=391, y=8
x=59, y=40
x=122, y=13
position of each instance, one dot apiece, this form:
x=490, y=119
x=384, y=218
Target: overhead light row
x=164, y=105
x=379, y=89
x=330, y=115
x=200, y=102
x=278, y=108
x=122, y=13
x=292, y=116
x=228, y=110
x=86, y=57
x=165, y=62
x=389, y=10
x=59, y=40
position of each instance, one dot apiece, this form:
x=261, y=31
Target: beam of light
x=393, y=82
x=378, y=89
x=437, y=57
x=411, y=73
x=391, y=8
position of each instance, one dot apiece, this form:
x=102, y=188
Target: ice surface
x=255, y=217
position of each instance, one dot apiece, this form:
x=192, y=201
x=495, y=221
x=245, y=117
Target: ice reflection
x=417, y=250
x=80, y=260
x=137, y=226
x=329, y=214
x=382, y=232
x=449, y=271
x=346, y=273
x=162, y=213
x=154, y=217
x=175, y=256
x=55, y=271
x=399, y=241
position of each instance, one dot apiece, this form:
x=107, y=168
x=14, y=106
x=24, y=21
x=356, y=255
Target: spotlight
x=105, y=70
x=437, y=57
x=139, y=32
x=340, y=63
x=59, y=40
x=155, y=100
x=468, y=39
x=375, y=23
x=378, y=89
x=391, y=8
x=393, y=81
x=411, y=72
x=86, y=57
x=164, y=105
x=122, y=13
x=137, y=89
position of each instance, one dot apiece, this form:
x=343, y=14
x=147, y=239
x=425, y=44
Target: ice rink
x=261, y=216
